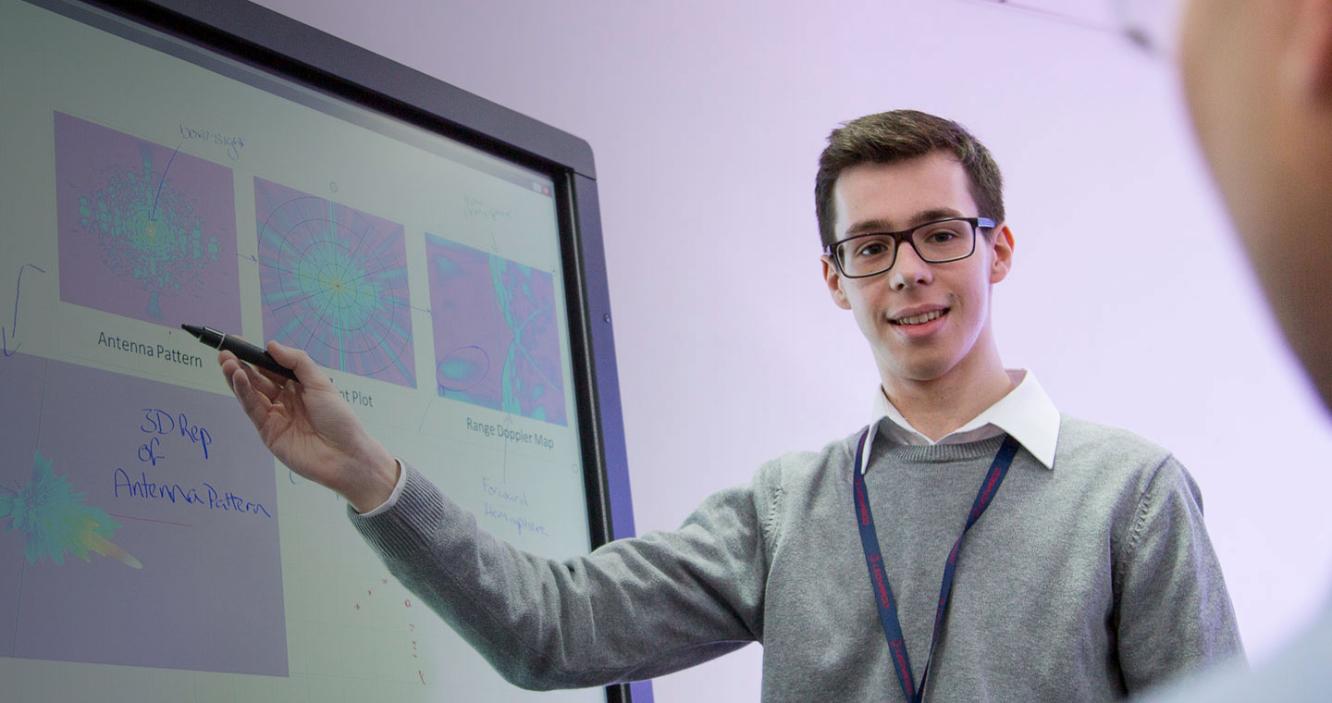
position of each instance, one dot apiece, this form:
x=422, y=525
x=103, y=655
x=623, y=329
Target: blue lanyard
x=883, y=591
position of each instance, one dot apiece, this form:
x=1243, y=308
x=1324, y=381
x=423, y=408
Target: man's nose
x=909, y=269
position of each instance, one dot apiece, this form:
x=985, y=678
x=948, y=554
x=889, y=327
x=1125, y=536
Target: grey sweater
x=1082, y=583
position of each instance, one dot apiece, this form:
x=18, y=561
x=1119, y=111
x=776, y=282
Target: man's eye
x=872, y=249
x=941, y=236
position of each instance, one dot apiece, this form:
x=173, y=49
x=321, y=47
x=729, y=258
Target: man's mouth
x=919, y=319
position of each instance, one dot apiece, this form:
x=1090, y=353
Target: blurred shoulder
x=1298, y=672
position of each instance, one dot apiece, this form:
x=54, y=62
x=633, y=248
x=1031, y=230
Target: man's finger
x=265, y=382
x=254, y=403
x=300, y=363
x=231, y=364
x=222, y=358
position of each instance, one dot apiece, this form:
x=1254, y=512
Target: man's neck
x=940, y=406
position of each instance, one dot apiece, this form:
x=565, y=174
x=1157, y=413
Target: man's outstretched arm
x=633, y=609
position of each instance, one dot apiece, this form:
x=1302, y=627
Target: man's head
x=1258, y=78
x=891, y=173
x=900, y=135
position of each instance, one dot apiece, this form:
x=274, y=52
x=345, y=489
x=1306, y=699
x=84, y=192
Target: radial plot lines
x=334, y=282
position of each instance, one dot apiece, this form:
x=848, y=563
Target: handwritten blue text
x=161, y=422
x=203, y=496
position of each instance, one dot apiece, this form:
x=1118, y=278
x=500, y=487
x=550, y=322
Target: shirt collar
x=1026, y=413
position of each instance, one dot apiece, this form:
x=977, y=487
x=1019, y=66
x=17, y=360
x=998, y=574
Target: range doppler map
x=333, y=281
x=144, y=230
x=496, y=340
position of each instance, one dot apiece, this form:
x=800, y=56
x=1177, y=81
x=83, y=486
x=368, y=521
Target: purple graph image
x=497, y=343
x=144, y=231
x=333, y=281
x=138, y=525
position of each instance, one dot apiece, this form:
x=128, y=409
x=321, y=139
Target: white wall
x=1128, y=297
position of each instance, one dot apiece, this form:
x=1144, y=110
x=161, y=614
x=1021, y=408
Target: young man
x=1258, y=78
x=1083, y=572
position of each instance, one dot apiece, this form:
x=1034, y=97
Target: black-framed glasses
x=936, y=242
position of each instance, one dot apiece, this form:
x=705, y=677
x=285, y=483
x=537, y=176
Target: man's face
x=1256, y=79
x=897, y=196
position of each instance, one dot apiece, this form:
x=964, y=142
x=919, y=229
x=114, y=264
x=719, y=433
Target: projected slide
x=334, y=282
x=496, y=340
x=144, y=230
x=138, y=525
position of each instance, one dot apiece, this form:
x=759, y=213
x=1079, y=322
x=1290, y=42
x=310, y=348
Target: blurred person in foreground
x=1258, y=80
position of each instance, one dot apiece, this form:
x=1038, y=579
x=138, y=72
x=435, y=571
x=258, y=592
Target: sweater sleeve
x=1174, y=614
x=633, y=609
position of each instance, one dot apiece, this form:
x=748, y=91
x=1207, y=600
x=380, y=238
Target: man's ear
x=1307, y=64
x=834, y=281
x=1002, y=247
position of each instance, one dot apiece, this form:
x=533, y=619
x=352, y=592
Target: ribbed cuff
x=403, y=528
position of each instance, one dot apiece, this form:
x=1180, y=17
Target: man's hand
x=310, y=428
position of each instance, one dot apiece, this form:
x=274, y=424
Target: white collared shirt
x=1026, y=413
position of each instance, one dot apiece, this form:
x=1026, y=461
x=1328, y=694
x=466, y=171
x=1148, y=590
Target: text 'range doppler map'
x=138, y=525
x=333, y=281
x=145, y=231
x=496, y=339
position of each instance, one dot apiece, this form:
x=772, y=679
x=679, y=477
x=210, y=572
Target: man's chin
x=921, y=370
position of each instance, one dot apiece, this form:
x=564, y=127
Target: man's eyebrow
x=882, y=225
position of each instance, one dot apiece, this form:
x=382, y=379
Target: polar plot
x=333, y=281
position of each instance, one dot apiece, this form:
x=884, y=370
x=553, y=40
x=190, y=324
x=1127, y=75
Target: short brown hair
x=888, y=137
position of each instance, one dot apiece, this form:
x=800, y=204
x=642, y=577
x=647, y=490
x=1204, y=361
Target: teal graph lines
x=497, y=338
x=147, y=230
x=514, y=389
x=56, y=522
x=334, y=282
x=144, y=230
x=331, y=280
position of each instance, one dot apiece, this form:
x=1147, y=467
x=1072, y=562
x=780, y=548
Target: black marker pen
x=242, y=349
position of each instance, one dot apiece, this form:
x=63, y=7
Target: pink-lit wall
x=1129, y=297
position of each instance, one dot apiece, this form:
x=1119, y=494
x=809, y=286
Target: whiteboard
x=150, y=548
